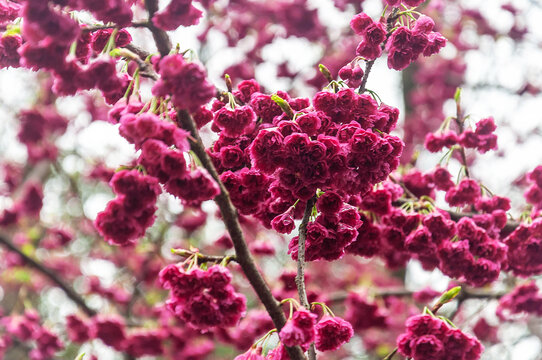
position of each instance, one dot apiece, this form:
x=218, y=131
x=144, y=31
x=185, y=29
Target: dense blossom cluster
x=332, y=231
x=274, y=154
x=184, y=81
x=203, y=298
x=329, y=333
x=127, y=217
x=339, y=144
x=177, y=13
x=38, y=128
x=405, y=45
x=112, y=331
x=428, y=337
x=482, y=138
x=524, y=256
x=332, y=332
x=48, y=34
x=27, y=327
x=363, y=314
x=469, y=249
x=9, y=44
x=524, y=298
x=299, y=329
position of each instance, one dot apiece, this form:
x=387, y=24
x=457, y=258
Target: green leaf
x=325, y=71
x=449, y=295
x=457, y=95
x=283, y=105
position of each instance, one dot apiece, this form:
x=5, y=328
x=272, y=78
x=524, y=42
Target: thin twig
x=202, y=257
x=368, y=67
x=68, y=290
x=92, y=28
x=460, y=121
x=229, y=215
x=300, y=277
x=390, y=355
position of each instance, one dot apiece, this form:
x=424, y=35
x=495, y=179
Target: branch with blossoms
x=275, y=159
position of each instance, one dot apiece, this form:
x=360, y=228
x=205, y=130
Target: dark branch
x=68, y=290
x=229, y=215
x=161, y=38
x=300, y=277
x=204, y=258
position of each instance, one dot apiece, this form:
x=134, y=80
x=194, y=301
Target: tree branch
x=161, y=38
x=368, y=67
x=229, y=215
x=68, y=290
x=204, y=258
x=300, y=277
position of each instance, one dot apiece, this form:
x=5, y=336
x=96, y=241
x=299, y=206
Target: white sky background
x=498, y=62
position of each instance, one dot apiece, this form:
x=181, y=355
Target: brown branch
x=229, y=215
x=68, y=290
x=142, y=53
x=465, y=294
x=161, y=38
x=300, y=277
x=204, y=258
x=460, y=121
x=92, y=28
x=368, y=67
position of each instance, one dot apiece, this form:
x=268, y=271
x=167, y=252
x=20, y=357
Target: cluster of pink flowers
x=9, y=11
x=533, y=195
x=9, y=44
x=364, y=314
x=373, y=33
x=524, y=298
x=27, y=327
x=524, y=256
x=177, y=13
x=98, y=40
x=203, y=298
x=329, y=333
x=469, y=249
x=38, y=128
x=185, y=82
x=405, y=45
x=29, y=204
x=482, y=139
x=299, y=329
x=268, y=166
x=332, y=231
x=351, y=74
x=430, y=338
x=115, y=11
x=162, y=147
x=127, y=217
x=111, y=330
